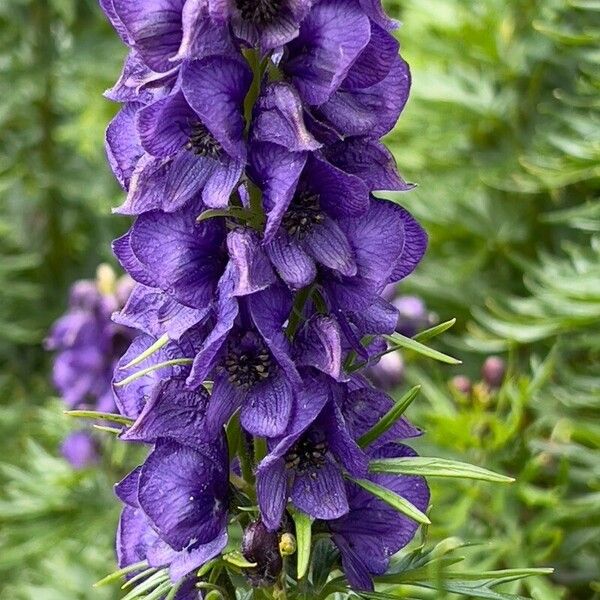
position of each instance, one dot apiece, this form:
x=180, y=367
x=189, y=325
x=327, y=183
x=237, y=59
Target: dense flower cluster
x=88, y=344
x=249, y=147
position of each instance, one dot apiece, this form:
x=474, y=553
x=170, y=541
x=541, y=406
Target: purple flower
x=251, y=366
x=372, y=531
x=308, y=461
x=162, y=32
x=186, y=143
x=176, y=507
x=80, y=449
x=266, y=24
x=330, y=40
x=133, y=397
x=88, y=344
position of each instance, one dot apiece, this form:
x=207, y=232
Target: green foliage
x=501, y=134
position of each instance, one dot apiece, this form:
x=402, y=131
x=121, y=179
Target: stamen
x=202, y=142
x=308, y=454
x=259, y=12
x=248, y=367
x=303, y=213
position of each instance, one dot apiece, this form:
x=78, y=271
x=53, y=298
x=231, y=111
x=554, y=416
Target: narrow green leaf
x=107, y=429
x=435, y=467
x=131, y=582
x=100, y=416
x=162, y=365
x=401, y=341
x=388, y=420
x=121, y=573
x=160, y=342
x=303, y=525
x=237, y=559
x=233, y=211
x=394, y=500
x=148, y=585
x=171, y=595
x=432, y=332
x=159, y=592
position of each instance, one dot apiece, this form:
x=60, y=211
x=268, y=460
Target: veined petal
x=328, y=245
x=292, y=263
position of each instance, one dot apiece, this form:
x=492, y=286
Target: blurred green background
x=502, y=134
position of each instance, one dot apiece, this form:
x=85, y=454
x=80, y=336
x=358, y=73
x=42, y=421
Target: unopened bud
x=287, y=544
x=462, y=384
x=412, y=315
x=261, y=546
x=106, y=279
x=214, y=595
x=493, y=371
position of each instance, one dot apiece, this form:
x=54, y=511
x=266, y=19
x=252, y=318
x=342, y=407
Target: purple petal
x=134, y=537
x=415, y=244
x=185, y=255
x=279, y=119
x=370, y=111
x=375, y=61
x=330, y=40
x=167, y=184
x=183, y=492
x=267, y=407
x=270, y=309
x=292, y=263
x=332, y=184
x=127, y=489
x=226, y=311
x=155, y=313
x=253, y=270
x=271, y=492
x=215, y=88
x=328, y=245
x=319, y=345
x=190, y=560
x=321, y=493
x=353, y=565
x=123, y=147
x=175, y=412
x=162, y=125
x=276, y=171
x=225, y=399
x=369, y=160
x=155, y=26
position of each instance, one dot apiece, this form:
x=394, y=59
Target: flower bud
x=493, y=371
x=261, y=546
x=388, y=373
x=462, y=384
x=412, y=315
x=213, y=595
x=106, y=279
x=287, y=544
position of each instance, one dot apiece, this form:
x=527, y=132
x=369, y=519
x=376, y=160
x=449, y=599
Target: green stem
x=296, y=314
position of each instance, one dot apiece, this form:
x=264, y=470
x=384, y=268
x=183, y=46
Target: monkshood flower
x=308, y=462
x=185, y=144
x=87, y=343
x=372, y=531
x=249, y=147
x=175, y=511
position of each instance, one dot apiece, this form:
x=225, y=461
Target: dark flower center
x=248, y=367
x=202, y=142
x=259, y=12
x=302, y=214
x=308, y=454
